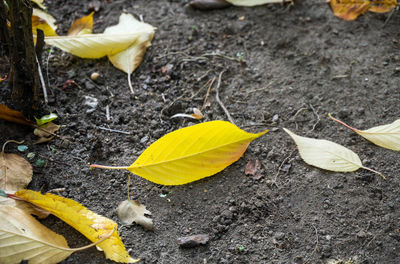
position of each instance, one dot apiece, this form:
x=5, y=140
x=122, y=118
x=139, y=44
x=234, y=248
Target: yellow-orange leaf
x=191, y=153
x=10, y=115
x=351, y=9
x=90, y=224
x=43, y=21
x=382, y=6
x=82, y=26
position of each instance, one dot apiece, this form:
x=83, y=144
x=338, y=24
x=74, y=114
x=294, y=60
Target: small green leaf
x=45, y=119
x=40, y=162
x=22, y=148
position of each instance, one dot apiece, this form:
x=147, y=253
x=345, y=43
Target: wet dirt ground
x=284, y=66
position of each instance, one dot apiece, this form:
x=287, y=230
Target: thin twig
x=114, y=130
x=316, y=245
x=108, y=112
x=207, y=94
x=219, y=101
x=280, y=167
x=11, y=141
x=46, y=100
x=317, y=115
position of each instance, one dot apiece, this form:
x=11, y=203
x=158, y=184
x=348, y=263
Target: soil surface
x=284, y=66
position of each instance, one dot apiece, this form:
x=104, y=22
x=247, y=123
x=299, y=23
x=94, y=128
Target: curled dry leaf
x=43, y=21
x=45, y=132
x=351, y=9
x=14, y=116
x=385, y=136
x=197, y=114
x=46, y=119
x=15, y=172
x=91, y=225
x=191, y=153
x=82, y=26
x=327, y=155
x=20, y=233
x=256, y=2
x=130, y=211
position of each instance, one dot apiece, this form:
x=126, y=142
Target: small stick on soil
x=108, y=112
x=295, y=115
x=219, y=101
x=46, y=100
x=107, y=167
x=316, y=114
x=207, y=94
x=316, y=245
x=280, y=167
x=114, y=130
x=260, y=89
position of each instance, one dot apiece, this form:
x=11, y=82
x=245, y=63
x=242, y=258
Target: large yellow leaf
x=327, y=155
x=192, y=153
x=255, y=2
x=91, y=225
x=386, y=136
x=22, y=237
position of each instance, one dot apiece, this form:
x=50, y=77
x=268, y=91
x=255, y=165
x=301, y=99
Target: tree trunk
x=24, y=73
x=4, y=35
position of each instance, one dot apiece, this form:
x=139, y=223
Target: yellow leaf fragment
x=385, y=136
x=22, y=237
x=382, y=6
x=82, y=26
x=327, y=155
x=256, y=2
x=90, y=224
x=39, y=3
x=43, y=21
x=15, y=172
x=192, y=153
x=351, y=9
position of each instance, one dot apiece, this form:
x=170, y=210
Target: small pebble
x=193, y=241
x=94, y=76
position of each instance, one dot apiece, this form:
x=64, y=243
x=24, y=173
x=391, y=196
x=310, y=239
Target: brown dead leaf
x=130, y=211
x=351, y=9
x=15, y=172
x=253, y=168
x=14, y=116
x=82, y=26
x=44, y=132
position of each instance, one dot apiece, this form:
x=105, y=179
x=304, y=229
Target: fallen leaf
x=44, y=132
x=193, y=241
x=24, y=206
x=256, y=2
x=385, y=136
x=192, y=153
x=22, y=237
x=327, y=155
x=351, y=9
x=197, y=114
x=129, y=59
x=43, y=21
x=15, y=172
x=14, y=116
x=130, y=211
x=46, y=119
x=81, y=26
x=39, y=3
x=253, y=168
x=88, y=223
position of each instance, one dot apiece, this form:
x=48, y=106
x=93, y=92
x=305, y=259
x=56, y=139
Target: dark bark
x=4, y=34
x=24, y=73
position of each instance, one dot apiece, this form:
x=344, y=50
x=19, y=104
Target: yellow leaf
x=24, y=206
x=385, y=136
x=382, y=6
x=22, y=237
x=15, y=172
x=191, y=153
x=82, y=26
x=327, y=155
x=91, y=225
x=39, y=3
x=43, y=21
x=349, y=9
x=255, y=2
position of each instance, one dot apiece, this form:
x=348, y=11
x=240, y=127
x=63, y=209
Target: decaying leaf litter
x=354, y=118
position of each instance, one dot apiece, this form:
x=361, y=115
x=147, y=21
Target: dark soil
x=285, y=66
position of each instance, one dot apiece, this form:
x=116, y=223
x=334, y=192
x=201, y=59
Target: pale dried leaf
x=325, y=154
x=39, y=3
x=46, y=18
x=386, y=136
x=25, y=206
x=22, y=237
x=130, y=211
x=15, y=172
x=43, y=134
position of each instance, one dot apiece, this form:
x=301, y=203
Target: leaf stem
x=374, y=171
x=343, y=123
x=107, y=167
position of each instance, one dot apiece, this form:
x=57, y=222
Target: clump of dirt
x=285, y=66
